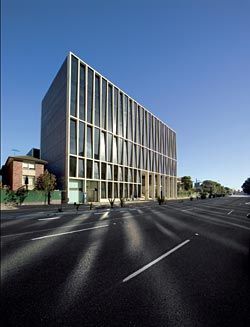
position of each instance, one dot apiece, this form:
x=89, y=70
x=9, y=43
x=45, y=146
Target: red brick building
x=20, y=171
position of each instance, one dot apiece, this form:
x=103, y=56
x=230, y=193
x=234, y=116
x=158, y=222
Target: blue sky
x=187, y=61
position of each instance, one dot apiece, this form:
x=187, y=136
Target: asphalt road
x=181, y=264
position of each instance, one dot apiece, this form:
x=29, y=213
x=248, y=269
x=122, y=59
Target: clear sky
x=187, y=61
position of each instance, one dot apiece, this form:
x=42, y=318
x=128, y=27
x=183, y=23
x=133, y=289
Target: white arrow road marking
x=230, y=212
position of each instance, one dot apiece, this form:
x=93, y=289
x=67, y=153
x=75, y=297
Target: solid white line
x=49, y=218
x=187, y=209
x=230, y=212
x=71, y=232
x=155, y=261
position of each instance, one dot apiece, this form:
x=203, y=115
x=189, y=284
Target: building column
x=175, y=187
x=163, y=186
x=172, y=187
x=152, y=186
x=168, y=187
x=146, y=185
x=158, y=185
x=99, y=191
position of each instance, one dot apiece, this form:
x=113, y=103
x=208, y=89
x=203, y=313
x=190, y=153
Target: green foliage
x=21, y=194
x=187, y=183
x=246, y=186
x=203, y=195
x=16, y=197
x=47, y=183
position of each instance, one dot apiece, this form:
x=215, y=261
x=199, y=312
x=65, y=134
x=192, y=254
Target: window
x=89, y=168
x=97, y=100
x=104, y=103
x=72, y=167
x=82, y=93
x=129, y=153
x=120, y=127
x=81, y=168
x=115, y=127
x=126, y=174
x=130, y=120
x=115, y=190
x=72, y=136
x=74, y=78
x=27, y=165
x=89, y=142
x=110, y=190
x=81, y=139
x=103, y=190
x=125, y=114
x=115, y=150
x=120, y=174
x=110, y=109
x=97, y=144
x=125, y=153
x=120, y=151
x=135, y=119
x=90, y=95
x=109, y=147
x=103, y=147
x=96, y=170
x=103, y=171
x=121, y=190
x=116, y=173
x=109, y=172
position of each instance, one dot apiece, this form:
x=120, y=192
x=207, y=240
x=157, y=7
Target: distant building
x=20, y=171
x=101, y=143
x=34, y=152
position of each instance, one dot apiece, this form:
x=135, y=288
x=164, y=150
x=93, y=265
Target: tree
x=246, y=186
x=187, y=183
x=47, y=183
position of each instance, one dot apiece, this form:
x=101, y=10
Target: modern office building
x=101, y=143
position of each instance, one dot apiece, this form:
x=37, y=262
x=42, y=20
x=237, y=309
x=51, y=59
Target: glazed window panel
x=104, y=103
x=96, y=170
x=125, y=117
x=120, y=151
x=115, y=125
x=109, y=147
x=120, y=129
x=81, y=141
x=116, y=173
x=103, y=147
x=97, y=144
x=89, y=168
x=103, y=173
x=115, y=150
x=97, y=100
x=125, y=153
x=82, y=93
x=115, y=190
x=81, y=168
x=135, y=120
x=72, y=136
x=110, y=108
x=120, y=169
x=74, y=78
x=110, y=190
x=130, y=122
x=135, y=156
x=103, y=190
x=90, y=96
x=129, y=153
x=72, y=167
x=109, y=172
x=89, y=142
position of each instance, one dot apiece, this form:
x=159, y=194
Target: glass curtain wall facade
x=116, y=148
